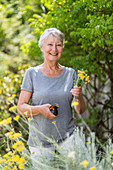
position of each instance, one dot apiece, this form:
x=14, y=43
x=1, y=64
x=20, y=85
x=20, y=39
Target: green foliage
x=14, y=32
x=10, y=85
x=87, y=26
x=14, y=29
x=32, y=50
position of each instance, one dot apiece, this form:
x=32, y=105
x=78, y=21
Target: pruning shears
x=54, y=109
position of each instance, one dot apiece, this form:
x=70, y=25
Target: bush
x=82, y=155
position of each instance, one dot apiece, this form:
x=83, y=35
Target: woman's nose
x=54, y=48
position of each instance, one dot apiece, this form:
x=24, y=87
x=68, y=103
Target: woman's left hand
x=76, y=92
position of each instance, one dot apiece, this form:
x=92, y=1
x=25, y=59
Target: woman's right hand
x=45, y=111
x=23, y=107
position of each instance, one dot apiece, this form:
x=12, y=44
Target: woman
x=47, y=84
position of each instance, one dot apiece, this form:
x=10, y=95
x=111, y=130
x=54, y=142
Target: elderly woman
x=47, y=84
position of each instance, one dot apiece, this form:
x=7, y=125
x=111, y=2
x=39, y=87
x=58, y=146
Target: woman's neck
x=52, y=66
x=51, y=69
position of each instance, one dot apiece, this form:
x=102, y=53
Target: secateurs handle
x=54, y=109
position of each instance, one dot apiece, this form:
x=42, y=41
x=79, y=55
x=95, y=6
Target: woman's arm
x=23, y=108
x=77, y=93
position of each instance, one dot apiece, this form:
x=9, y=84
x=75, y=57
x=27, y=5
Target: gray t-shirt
x=50, y=90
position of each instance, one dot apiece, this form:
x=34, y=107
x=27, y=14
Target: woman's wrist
x=81, y=105
x=36, y=110
x=79, y=98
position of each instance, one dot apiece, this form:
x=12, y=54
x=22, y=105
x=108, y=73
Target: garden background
x=88, y=29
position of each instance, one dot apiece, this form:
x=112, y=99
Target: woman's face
x=52, y=48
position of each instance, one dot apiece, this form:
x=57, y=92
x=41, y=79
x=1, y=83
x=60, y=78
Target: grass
x=79, y=154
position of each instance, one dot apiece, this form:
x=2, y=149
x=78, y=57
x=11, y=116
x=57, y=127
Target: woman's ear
x=41, y=48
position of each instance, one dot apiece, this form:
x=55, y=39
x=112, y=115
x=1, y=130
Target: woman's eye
x=50, y=44
x=59, y=45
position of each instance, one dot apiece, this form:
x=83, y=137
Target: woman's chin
x=53, y=58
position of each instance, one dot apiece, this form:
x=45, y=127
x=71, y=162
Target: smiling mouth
x=54, y=54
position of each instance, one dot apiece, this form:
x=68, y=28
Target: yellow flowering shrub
x=10, y=84
x=5, y=121
x=14, y=161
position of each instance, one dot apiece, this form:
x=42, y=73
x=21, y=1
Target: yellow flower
x=88, y=142
x=111, y=152
x=75, y=103
x=0, y=91
x=82, y=72
x=11, y=153
x=19, y=67
x=1, y=161
x=6, y=168
x=10, y=98
x=15, y=158
x=12, y=129
x=20, y=161
x=21, y=166
x=19, y=148
x=6, y=121
x=13, y=95
x=92, y=168
x=4, y=160
x=11, y=136
x=53, y=152
x=16, y=135
x=16, y=118
x=54, y=122
x=84, y=163
x=30, y=119
x=6, y=156
x=14, y=168
x=12, y=108
x=82, y=76
x=87, y=78
x=19, y=143
x=11, y=163
x=1, y=122
x=8, y=134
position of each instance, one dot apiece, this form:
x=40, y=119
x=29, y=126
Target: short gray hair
x=51, y=31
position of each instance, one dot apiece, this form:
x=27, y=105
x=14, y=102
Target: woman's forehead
x=52, y=38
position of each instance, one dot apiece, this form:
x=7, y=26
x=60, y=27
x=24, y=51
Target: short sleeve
x=27, y=83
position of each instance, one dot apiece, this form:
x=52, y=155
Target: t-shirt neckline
x=53, y=77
